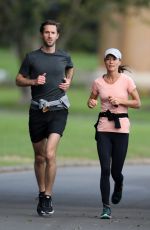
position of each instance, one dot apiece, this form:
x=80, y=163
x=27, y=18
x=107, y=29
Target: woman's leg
x=119, y=151
x=120, y=146
x=104, y=148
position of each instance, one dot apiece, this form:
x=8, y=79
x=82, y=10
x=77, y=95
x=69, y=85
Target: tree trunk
x=23, y=46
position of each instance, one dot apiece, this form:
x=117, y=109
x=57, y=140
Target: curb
x=72, y=163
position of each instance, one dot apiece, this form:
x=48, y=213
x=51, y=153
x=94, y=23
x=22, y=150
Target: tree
x=20, y=20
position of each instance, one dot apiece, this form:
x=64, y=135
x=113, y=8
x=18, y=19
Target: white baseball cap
x=113, y=51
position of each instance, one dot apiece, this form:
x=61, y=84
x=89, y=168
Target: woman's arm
x=134, y=102
x=92, y=101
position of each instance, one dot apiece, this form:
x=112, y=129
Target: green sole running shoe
x=106, y=213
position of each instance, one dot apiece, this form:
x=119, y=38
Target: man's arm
x=69, y=74
x=67, y=79
x=22, y=81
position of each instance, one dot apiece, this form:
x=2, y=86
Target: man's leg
x=55, y=129
x=39, y=167
x=50, y=172
x=39, y=163
x=45, y=206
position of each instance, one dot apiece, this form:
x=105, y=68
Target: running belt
x=45, y=105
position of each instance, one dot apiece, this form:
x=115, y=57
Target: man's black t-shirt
x=54, y=65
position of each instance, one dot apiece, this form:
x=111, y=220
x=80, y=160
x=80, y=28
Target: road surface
x=76, y=201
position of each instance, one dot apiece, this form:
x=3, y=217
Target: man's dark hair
x=50, y=22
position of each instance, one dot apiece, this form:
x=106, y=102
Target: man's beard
x=48, y=45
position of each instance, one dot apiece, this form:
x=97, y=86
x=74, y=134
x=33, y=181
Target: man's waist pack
x=45, y=105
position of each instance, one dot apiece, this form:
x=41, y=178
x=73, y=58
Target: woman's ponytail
x=123, y=68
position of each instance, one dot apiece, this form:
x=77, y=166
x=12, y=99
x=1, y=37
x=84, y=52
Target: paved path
x=76, y=201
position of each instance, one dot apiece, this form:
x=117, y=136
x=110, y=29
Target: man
x=49, y=73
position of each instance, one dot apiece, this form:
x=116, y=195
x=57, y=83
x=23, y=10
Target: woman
x=117, y=92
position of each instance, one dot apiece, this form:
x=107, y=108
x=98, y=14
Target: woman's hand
x=134, y=102
x=114, y=101
x=92, y=103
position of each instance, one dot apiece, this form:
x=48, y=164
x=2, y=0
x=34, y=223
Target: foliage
x=79, y=18
x=20, y=22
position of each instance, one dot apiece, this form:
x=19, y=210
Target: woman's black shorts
x=42, y=124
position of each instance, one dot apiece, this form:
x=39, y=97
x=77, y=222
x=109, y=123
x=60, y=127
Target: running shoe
x=40, y=206
x=117, y=194
x=48, y=208
x=106, y=213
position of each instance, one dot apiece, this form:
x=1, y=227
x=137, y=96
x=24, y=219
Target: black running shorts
x=42, y=124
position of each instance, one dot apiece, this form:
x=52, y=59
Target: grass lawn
x=77, y=142
x=9, y=61
x=10, y=96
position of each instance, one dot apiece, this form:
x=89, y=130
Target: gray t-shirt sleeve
x=25, y=67
x=69, y=62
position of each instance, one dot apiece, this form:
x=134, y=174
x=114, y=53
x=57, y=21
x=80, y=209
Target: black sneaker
x=40, y=206
x=106, y=213
x=117, y=194
x=48, y=208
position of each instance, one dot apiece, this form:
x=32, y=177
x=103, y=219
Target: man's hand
x=65, y=84
x=41, y=79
